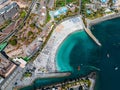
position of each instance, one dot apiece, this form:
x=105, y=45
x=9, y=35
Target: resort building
x=57, y=13
x=71, y=7
x=6, y=67
x=8, y=12
x=4, y=3
x=116, y=4
x=42, y=15
x=42, y=12
x=21, y=62
x=93, y=7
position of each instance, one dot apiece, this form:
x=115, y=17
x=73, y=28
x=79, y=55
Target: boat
x=116, y=68
x=108, y=55
x=78, y=68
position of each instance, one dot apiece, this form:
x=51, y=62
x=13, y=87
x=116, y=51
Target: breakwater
x=92, y=36
x=30, y=81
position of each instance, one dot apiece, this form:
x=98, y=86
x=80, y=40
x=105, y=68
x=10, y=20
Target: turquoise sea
x=78, y=49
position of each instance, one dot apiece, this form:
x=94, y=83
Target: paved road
x=51, y=4
x=17, y=74
x=21, y=25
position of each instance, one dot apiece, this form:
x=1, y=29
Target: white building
x=21, y=61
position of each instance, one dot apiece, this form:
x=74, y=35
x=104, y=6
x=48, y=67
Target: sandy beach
x=45, y=62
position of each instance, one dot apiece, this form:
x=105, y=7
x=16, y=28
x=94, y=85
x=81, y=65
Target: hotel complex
x=8, y=11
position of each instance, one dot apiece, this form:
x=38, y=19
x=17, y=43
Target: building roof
x=103, y=1
x=22, y=62
x=2, y=1
x=107, y=10
x=6, y=66
x=8, y=7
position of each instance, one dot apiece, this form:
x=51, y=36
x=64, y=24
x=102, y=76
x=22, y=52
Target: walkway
x=92, y=36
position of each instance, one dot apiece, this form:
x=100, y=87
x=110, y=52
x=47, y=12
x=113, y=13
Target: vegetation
x=6, y=23
x=93, y=14
x=48, y=17
x=84, y=21
x=72, y=1
x=98, y=13
x=68, y=14
x=27, y=59
x=83, y=6
x=110, y=3
x=47, y=38
x=66, y=85
x=116, y=11
x=23, y=14
x=27, y=74
x=60, y=3
x=30, y=33
x=32, y=25
x=13, y=41
x=38, y=5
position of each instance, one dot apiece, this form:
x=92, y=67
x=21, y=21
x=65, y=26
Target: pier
x=87, y=30
x=92, y=36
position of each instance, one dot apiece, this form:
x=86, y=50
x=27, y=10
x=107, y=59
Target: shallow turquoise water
x=75, y=51
x=79, y=50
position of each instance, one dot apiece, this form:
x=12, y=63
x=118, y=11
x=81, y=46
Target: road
x=18, y=72
x=51, y=4
x=21, y=25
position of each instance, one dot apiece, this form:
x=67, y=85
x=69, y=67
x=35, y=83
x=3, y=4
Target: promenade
x=30, y=80
x=98, y=20
x=45, y=62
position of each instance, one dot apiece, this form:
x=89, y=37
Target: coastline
x=91, y=77
x=42, y=76
x=46, y=59
x=101, y=19
x=62, y=30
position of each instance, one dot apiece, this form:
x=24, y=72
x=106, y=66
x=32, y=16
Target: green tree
x=13, y=42
x=30, y=33
x=32, y=25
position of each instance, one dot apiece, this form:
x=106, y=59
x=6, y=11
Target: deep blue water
x=108, y=32
x=79, y=50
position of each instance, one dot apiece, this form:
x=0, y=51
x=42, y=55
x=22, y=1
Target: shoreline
x=61, y=44
x=93, y=79
x=101, y=19
x=42, y=76
x=91, y=76
x=46, y=59
x=57, y=37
